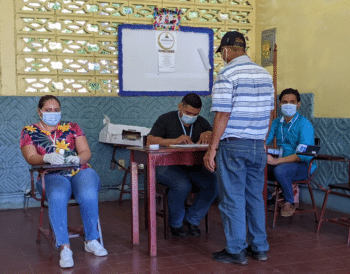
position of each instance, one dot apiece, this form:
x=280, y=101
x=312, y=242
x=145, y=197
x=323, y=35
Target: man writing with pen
x=185, y=126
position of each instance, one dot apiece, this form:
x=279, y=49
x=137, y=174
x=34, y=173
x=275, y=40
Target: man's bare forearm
x=219, y=126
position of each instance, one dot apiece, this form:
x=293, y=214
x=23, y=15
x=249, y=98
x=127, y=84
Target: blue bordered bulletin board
x=138, y=62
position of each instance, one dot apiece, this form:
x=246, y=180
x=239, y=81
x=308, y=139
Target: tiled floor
x=294, y=247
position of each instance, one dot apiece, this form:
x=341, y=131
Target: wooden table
x=151, y=159
x=165, y=156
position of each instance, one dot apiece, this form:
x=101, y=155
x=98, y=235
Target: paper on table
x=190, y=145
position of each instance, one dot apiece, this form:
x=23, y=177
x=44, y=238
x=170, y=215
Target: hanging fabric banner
x=165, y=19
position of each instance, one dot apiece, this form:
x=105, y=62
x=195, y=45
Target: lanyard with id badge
x=279, y=151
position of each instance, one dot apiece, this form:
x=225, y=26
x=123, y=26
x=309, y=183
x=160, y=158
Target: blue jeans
x=180, y=183
x=240, y=169
x=84, y=186
x=287, y=173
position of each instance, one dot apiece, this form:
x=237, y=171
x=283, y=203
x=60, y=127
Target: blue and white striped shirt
x=244, y=89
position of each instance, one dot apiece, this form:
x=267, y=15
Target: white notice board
x=138, y=61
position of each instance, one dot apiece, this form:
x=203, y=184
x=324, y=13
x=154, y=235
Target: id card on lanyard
x=290, y=126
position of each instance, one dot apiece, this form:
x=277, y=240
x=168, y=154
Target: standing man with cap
x=243, y=99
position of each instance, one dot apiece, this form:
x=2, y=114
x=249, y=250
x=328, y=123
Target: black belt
x=231, y=139
x=235, y=139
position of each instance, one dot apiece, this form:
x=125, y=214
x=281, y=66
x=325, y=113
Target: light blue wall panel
x=88, y=112
x=16, y=112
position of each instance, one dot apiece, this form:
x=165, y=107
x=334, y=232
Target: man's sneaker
x=95, y=247
x=178, y=231
x=257, y=255
x=66, y=258
x=287, y=209
x=193, y=229
x=225, y=257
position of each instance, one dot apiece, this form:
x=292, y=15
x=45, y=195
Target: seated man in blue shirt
x=185, y=126
x=290, y=130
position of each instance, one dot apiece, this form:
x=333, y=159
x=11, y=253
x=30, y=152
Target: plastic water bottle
x=62, y=152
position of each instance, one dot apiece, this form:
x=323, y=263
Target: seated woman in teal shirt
x=290, y=130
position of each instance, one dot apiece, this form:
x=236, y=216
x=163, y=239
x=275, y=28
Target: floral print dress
x=63, y=137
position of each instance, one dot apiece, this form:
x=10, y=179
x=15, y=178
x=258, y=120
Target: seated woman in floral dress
x=43, y=143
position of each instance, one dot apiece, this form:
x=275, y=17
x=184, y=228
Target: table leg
x=135, y=204
x=152, y=222
x=145, y=184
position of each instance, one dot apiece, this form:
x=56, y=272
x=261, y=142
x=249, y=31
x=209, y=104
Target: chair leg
x=166, y=215
x=50, y=241
x=25, y=201
x=275, y=210
x=207, y=223
x=99, y=230
x=122, y=188
x=320, y=220
x=312, y=200
x=40, y=224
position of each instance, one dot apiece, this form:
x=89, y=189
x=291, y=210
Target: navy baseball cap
x=232, y=38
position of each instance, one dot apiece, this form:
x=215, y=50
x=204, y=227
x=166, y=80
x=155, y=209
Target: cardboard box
x=122, y=134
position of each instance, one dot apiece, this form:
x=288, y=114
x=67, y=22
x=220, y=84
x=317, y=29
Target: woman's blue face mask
x=51, y=118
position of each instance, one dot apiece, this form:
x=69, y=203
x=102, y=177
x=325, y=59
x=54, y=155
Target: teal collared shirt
x=299, y=130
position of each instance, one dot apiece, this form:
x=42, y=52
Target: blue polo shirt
x=299, y=130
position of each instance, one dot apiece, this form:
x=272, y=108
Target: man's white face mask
x=288, y=110
x=223, y=56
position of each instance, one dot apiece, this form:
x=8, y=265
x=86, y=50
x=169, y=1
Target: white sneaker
x=66, y=258
x=95, y=247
